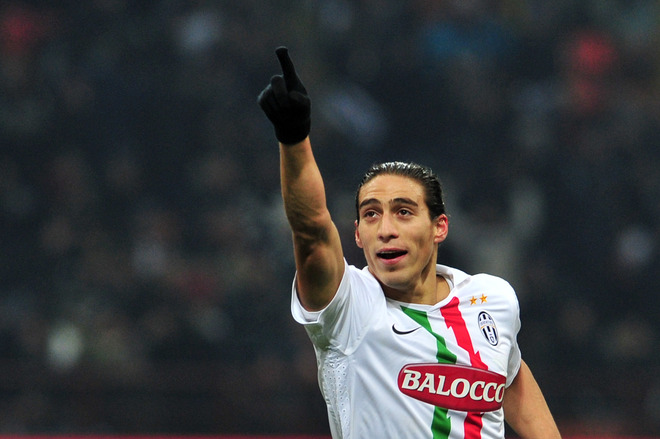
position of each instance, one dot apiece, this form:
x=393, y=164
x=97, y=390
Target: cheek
x=426, y=242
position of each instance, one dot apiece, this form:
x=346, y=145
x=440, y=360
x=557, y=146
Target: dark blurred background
x=146, y=264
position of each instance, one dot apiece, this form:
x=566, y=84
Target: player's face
x=396, y=232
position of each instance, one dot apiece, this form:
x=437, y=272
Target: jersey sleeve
x=515, y=356
x=342, y=324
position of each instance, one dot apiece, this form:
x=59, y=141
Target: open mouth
x=391, y=254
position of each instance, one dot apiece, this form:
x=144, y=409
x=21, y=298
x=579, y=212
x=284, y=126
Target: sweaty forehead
x=385, y=188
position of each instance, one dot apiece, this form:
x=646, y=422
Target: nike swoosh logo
x=397, y=331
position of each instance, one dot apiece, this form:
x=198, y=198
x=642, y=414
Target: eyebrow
x=401, y=200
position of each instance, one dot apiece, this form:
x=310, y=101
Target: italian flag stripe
x=441, y=424
x=455, y=322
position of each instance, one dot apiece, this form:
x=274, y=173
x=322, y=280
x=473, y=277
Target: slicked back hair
x=425, y=176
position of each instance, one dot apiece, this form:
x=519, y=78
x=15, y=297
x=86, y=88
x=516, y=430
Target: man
x=405, y=348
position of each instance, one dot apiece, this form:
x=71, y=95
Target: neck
x=430, y=292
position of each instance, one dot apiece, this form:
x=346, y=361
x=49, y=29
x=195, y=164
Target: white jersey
x=389, y=369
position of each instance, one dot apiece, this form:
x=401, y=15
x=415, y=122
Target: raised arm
x=317, y=247
x=525, y=409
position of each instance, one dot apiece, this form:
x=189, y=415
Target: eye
x=369, y=214
x=404, y=212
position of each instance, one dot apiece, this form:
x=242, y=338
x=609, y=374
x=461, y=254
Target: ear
x=441, y=228
x=358, y=241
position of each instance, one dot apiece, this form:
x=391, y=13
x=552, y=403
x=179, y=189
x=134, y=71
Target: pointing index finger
x=289, y=71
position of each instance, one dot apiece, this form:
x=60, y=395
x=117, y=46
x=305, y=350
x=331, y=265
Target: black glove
x=286, y=103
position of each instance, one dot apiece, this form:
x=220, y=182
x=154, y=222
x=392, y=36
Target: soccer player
x=406, y=348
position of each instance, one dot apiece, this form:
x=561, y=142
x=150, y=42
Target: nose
x=387, y=228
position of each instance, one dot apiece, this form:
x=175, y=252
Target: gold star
x=473, y=301
x=483, y=298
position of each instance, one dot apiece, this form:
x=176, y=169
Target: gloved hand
x=286, y=103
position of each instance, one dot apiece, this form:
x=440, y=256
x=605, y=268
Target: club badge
x=488, y=328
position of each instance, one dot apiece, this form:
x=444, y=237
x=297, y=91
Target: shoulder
x=358, y=287
x=360, y=277
x=341, y=325
x=458, y=276
x=464, y=283
x=494, y=282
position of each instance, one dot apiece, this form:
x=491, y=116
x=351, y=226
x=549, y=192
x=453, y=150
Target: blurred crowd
x=146, y=263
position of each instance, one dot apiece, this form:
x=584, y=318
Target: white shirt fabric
x=381, y=363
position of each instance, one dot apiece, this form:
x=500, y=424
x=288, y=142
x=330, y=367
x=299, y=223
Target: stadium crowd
x=146, y=264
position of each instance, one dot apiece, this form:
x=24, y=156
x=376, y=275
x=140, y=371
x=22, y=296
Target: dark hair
x=424, y=175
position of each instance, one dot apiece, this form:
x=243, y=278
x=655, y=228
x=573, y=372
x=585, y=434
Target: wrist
x=290, y=135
